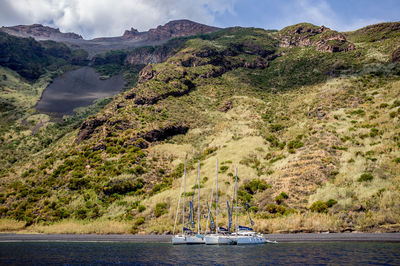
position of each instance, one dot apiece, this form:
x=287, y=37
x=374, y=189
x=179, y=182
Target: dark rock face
x=39, y=31
x=164, y=133
x=396, y=55
x=147, y=56
x=322, y=38
x=88, y=127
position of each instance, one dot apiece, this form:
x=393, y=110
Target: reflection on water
x=136, y=253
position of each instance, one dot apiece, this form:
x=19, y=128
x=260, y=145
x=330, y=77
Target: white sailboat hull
x=250, y=240
x=226, y=240
x=178, y=240
x=193, y=240
x=211, y=240
x=220, y=240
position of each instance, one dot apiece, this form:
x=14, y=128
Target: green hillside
x=309, y=116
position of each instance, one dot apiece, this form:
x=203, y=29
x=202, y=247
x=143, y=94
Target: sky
x=101, y=18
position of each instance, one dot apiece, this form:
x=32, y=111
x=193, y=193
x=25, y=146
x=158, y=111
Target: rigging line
x=177, y=207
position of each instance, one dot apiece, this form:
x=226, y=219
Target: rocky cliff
x=40, y=32
x=322, y=38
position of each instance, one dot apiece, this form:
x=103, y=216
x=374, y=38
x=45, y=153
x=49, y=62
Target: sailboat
x=181, y=238
x=220, y=237
x=245, y=235
x=188, y=236
x=197, y=238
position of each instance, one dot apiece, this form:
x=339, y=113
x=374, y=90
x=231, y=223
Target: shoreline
x=280, y=238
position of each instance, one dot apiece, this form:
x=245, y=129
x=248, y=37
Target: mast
x=236, y=213
x=177, y=207
x=184, y=194
x=216, y=207
x=198, y=201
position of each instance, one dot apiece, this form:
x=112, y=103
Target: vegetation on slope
x=315, y=136
x=30, y=58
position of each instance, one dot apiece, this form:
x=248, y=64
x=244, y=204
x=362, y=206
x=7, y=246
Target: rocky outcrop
x=131, y=34
x=40, y=32
x=148, y=55
x=396, y=55
x=164, y=133
x=322, y=38
x=179, y=28
x=146, y=74
x=173, y=29
x=88, y=128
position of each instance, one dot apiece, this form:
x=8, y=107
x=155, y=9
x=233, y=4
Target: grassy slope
x=304, y=133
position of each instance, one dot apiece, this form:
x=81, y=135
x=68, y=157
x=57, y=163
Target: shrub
x=243, y=196
x=295, y=144
x=365, y=177
x=77, y=183
x=359, y=112
x=278, y=209
x=373, y=132
x=272, y=140
x=319, y=206
x=141, y=208
x=281, y=197
x=253, y=209
x=157, y=188
x=123, y=186
x=255, y=185
x=81, y=213
x=160, y=209
x=224, y=168
x=396, y=103
x=276, y=127
x=397, y=160
x=139, y=221
x=331, y=202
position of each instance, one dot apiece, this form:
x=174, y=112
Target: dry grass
x=310, y=222
x=9, y=225
x=83, y=227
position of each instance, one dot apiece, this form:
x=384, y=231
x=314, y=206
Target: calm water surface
x=67, y=253
x=77, y=88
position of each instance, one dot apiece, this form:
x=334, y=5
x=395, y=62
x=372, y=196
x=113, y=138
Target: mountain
x=40, y=32
x=130, y=39
x=308, y=115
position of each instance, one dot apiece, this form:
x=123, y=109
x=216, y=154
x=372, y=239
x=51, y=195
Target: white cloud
x=94, y=18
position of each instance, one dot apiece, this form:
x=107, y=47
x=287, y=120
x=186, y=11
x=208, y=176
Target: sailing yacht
x=180, y=239
x=187, y=236
x=196, y=238
x=220, y=237
x=245, y=235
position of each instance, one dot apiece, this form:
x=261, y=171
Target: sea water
x=96, y=253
